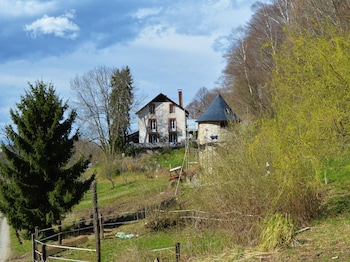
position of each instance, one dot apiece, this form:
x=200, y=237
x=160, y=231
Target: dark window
x=152, y=108
x=152, y=139
x=223, y=124
x=173, y=138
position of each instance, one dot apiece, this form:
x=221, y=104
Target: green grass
x=338, y=171
x=327, y=239
x=169, y=158
x=136, y=186
x=17, y=248
x=161, y=244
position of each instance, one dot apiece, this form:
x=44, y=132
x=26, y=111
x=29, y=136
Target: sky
x=167, y=44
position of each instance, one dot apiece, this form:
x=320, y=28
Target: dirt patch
x=4, y=239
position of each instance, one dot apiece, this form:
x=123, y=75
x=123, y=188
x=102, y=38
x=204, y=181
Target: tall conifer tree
x=120, y=105
x=37, y=187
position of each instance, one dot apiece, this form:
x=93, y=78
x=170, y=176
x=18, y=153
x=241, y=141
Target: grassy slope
x=328, y=237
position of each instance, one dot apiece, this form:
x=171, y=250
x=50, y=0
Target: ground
x=4, y=239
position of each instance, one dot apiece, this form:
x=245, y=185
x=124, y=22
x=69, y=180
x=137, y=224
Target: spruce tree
x=37, y=186
x=120, y=105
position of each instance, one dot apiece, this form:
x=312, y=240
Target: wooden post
x=177, y=249
x=60, y=232
x=96, y=222
x=43, y=255
x=101, y=227
x=34, y=247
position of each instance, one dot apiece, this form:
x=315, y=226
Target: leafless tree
x=93, y=91
x=200, y=102
x=250, y=61
x=99, y=105
x=313, y=15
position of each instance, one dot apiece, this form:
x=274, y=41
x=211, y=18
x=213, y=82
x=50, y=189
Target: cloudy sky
x=167, y=44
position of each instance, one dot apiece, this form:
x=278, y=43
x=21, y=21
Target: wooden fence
x=42, y=251
x=46, y=248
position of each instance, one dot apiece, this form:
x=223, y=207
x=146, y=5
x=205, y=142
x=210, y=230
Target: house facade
x=162, y=121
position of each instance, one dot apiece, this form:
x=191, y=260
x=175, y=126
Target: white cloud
x=167, y=39
x=145, y=12
x=60, y=26
x=19, y=8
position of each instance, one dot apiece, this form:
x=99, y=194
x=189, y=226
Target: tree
x=200, y=102
x=104, y=101
x=250, y=61
x=120, y=104
x=37, y=187
x=312, y=91
x=313, y=15
x=204, y=97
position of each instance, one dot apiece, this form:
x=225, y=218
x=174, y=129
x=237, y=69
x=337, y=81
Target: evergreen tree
x=105, y=98
x=120, y=105
x=37, y=186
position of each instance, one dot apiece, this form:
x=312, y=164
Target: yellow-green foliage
x=311, y=98
x=277, y=231
x=310, y=125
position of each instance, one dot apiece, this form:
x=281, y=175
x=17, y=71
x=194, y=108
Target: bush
x=277, y=231
x=242, y=190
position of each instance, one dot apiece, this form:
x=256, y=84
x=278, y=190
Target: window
x=152, y=108
x=152, y=139
x=171, y=108
x=152, y=125
x=173, y=138
x=223, y=124
x=172, y=125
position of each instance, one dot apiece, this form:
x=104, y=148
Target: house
x=212, y=123
x=162, y=121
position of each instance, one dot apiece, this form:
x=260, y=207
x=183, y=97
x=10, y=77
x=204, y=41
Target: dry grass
x=234, y=201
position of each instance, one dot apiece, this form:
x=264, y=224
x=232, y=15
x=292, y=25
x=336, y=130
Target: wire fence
x=46, y=245
x=50, y=244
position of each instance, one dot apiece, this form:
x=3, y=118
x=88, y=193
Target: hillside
x=323, y=239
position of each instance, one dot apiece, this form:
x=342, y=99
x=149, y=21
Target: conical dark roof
x=218, y=110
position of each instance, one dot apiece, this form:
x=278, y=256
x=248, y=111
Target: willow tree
x=269, y=174
x=311, y=121
x=37, y=186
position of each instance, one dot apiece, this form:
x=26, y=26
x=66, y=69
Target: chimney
x=180, y=97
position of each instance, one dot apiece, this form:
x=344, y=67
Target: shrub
x=277, y=231
x=242, y=190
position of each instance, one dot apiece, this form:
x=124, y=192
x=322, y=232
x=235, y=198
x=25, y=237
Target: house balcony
x=151, y=130
x=172, y=130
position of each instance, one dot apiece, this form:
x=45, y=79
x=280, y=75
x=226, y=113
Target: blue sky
x=167, y=44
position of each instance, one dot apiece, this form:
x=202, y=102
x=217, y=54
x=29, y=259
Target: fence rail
x=42, y=249
x=48, y=250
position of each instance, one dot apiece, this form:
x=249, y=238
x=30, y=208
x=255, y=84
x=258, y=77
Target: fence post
x=43, y=256
x=34, y=247
x=177, y=249
x=96, y=221
x=60, y=232
x=101, y=227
